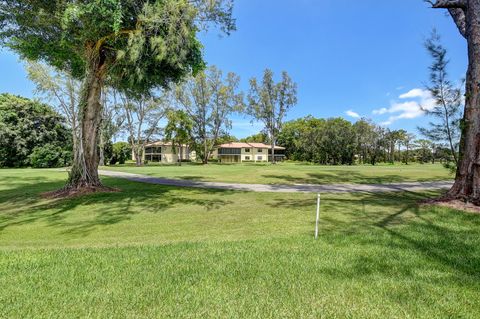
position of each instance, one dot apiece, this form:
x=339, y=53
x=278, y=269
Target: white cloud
x=381, y=111
x=418, y=100
x=353, y=114
x=415, y=93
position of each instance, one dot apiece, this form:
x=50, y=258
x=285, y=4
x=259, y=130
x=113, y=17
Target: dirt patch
x=77, y=192
x=454, y=204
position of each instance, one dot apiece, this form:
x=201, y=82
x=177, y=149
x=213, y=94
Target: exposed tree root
x=70, y=192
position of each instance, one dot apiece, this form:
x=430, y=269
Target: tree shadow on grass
x=21, y=204
x=396, y=236
x=332, y=177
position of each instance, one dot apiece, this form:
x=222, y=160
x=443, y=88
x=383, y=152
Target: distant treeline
x=336, y=141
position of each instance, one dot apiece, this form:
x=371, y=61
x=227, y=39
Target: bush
x=49, y=156
x=26, y=125
x=121, y=152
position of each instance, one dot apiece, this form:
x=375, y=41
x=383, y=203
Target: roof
x=160, y=143
x=248, y=145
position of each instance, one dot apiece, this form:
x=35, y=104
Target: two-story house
x=163, y=152
x=237, y=152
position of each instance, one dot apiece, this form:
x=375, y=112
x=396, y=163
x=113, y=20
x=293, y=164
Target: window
x=247, y=158
x=229, y=151
x=259, y=158
x=247, y=150
x=260, y=150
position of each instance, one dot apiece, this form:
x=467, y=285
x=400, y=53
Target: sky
x=349, y=58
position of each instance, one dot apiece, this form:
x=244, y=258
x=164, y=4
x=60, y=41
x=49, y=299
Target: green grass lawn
x=294, y=173
x=154, y=252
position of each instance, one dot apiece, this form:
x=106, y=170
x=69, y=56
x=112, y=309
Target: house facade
x=162, y=152
x=247, y=152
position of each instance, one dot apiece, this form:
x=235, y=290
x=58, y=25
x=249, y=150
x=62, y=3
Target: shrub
x=25, y=125
x=121, y=152
x=49, y=156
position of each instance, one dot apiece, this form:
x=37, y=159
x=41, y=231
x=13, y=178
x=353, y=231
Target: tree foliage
x=449, y=101
x=142, y=116
x=268, y=102
x=26, y=125
x=134, y=46
x=209, y=99
x=178, y=131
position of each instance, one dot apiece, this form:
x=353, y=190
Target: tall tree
x=407, y=141
x=210, y=99
x=178, y=131
x=59, y=88
x=142, y=116
x=269, y=102
x=449, y=99
x=111, y=122
x=466, y=15
x=425, y=150
x=135, y=46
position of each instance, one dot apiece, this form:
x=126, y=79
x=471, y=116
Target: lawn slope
x=294, y=173
x=153, y=251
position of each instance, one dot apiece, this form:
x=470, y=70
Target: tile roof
x=160, y=143
x=247, y=145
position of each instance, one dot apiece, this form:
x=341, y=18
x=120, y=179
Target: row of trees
x=34, y=134
x=197, y=111
x=133, y=47
x=337, y=141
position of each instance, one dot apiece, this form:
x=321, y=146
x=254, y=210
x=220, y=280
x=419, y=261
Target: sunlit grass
x=294, y=173
x=154, y=251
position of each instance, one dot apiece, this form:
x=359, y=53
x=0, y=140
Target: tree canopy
x=26, y=125
x=143, y=44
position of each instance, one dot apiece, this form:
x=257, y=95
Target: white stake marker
x=318, y=216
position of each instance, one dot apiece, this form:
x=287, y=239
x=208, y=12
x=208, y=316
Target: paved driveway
x=297, y=188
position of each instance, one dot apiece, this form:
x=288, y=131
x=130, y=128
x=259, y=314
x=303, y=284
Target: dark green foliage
x=50, y=156
x=144, y=43
x=25, y=125
x=121, y=152
x=256, y=138
x=108, y=151
x=133, y=46
x=331, y=141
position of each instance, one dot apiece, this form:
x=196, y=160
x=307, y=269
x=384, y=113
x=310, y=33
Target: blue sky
x=362, y=57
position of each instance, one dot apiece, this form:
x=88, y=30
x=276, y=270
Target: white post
x=318, y=216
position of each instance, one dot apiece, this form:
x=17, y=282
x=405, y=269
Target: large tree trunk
x=467, y=180
x=84, y=172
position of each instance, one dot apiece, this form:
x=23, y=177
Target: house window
x=260, y=150
x=247, y=150
x=259, y=158
x=247, y=158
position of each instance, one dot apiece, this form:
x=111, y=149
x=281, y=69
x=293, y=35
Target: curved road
x=296, y=188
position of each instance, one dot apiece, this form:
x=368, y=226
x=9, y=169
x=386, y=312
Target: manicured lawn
x=293, y=173
x=154, y=251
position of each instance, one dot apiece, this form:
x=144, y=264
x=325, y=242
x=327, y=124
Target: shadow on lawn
x=390, y=229
x=21, y=204
x=332, y=177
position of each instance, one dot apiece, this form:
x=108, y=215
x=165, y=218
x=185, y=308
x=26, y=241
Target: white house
x=246, y=152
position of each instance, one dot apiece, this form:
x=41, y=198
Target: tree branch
x=458, y=16
x=457, y=9
x=448, y=4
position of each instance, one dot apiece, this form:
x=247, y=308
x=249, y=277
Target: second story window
x=247, y=150
x=260, y=150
